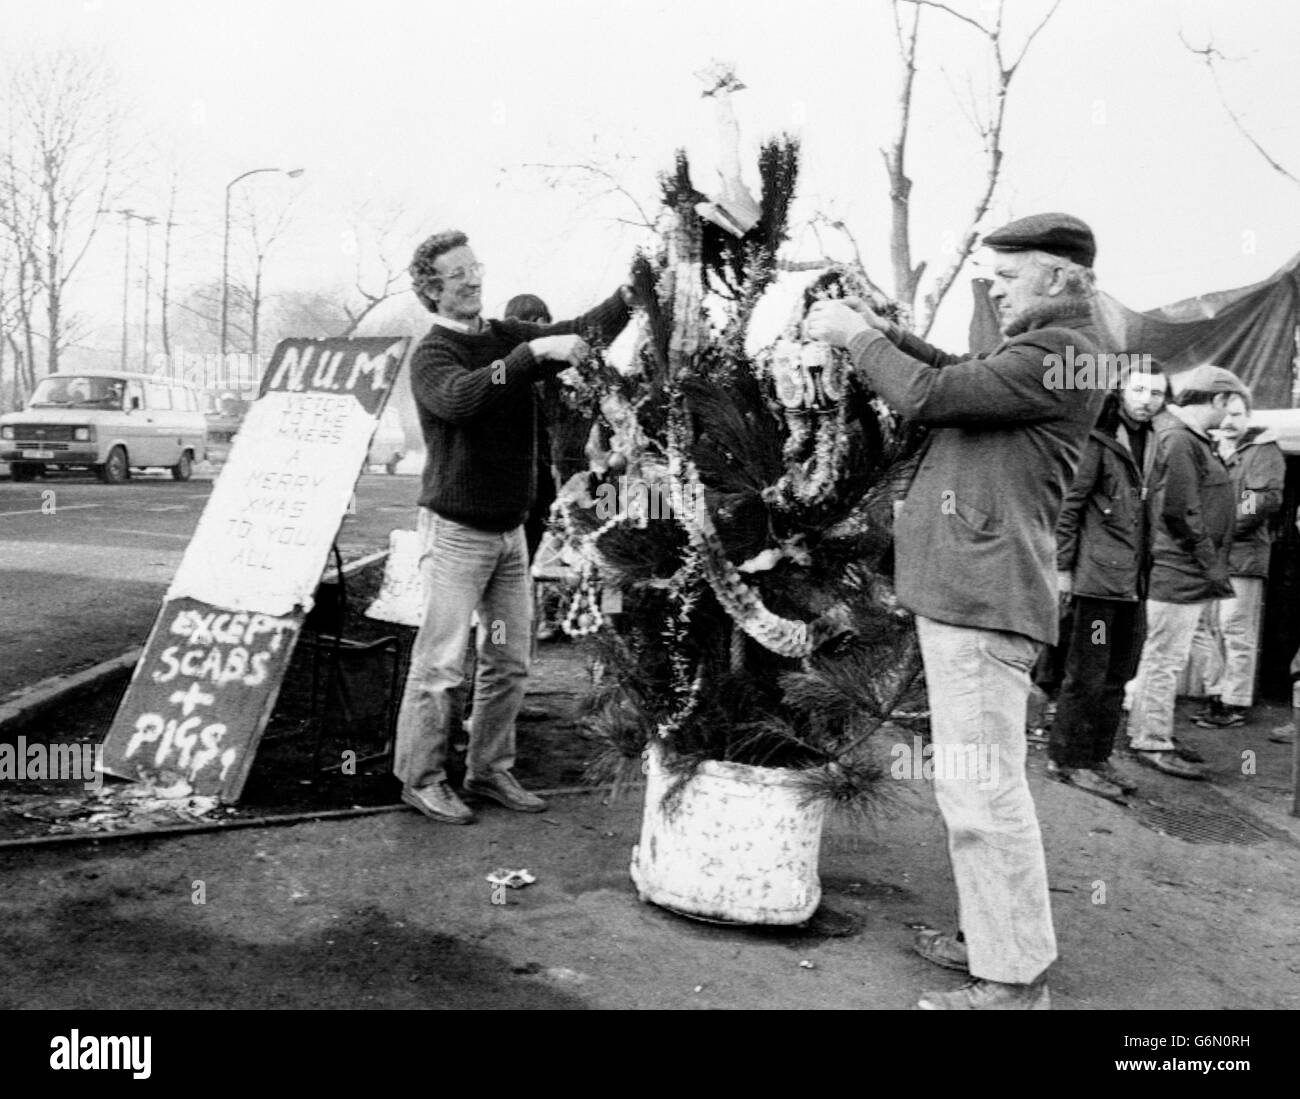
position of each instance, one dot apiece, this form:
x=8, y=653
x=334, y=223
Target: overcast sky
x=440, y=106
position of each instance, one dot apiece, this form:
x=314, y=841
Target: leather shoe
x=503, y=788
x=1107, y=771
x=438, y=801
x=981, y=995
x=1184, y=752
x=1167, y=760
x=943, y=948
x=1095, y=783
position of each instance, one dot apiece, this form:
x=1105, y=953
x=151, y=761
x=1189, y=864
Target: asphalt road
x=83, y=565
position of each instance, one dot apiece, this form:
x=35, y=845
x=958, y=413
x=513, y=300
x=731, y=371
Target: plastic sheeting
x=1254, y=331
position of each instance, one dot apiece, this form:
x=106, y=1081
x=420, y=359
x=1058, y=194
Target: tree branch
x=1209, y=54
x=955, y=14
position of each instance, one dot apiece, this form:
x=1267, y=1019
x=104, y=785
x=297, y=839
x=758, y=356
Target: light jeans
x=1239, y=628
x=978, y=686
x=1153, y=690
x=465, y=570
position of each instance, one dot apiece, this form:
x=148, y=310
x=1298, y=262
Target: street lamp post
x=149, y=223
x=127, y=217
x=292, y=173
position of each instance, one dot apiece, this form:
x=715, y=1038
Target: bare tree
x=169, y=225
x=597, y=181
x=262, y=225
x=18, y=224
x=380, y=242
x=1212, y=56
x=59, y=168
x=989, y=121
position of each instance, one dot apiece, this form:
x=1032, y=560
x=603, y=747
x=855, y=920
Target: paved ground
x=83, y=565
x=393, y=911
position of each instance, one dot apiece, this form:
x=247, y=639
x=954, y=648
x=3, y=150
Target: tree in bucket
x=732, y=542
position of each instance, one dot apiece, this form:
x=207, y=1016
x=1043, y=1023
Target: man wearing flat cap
x=1196, y=512
x=976, y=565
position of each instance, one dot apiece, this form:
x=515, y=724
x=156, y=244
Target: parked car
x=388, y=444
x=224, y=420
x=108, y=421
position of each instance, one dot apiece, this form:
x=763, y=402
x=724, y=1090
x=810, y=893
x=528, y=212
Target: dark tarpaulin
x=1251, y=331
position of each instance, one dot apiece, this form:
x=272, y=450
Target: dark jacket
x=1258, y=471
x=975, y=539
x=479, y=414
x=1107, y=521
x=1197, y=510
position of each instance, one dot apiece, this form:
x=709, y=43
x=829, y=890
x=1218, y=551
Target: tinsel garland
x=783, y=636
x=687, y=683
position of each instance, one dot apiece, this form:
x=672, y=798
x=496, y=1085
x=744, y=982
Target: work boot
x=1094, y=783
x=1218, y=716
x=438, y=801
x=982, y=995
x=945, y=948
x=503, y=788
x=1167, y=760
x=1107, y=771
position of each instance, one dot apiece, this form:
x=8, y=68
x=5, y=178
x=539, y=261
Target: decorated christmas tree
x=733, y=537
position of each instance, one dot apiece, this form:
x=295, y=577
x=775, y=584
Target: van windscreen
x=78, y=391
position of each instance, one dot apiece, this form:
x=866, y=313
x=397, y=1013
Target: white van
x=109, y=421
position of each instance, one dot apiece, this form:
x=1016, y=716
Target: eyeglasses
x=462, y=273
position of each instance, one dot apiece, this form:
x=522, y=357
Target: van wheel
x=181, y=470
x=25, y=471
x=114, y=470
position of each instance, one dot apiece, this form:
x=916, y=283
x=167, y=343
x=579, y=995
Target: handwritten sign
x=264, y=535
x=206, y=683
x=199, y=697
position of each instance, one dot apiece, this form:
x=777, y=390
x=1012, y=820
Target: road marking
x=147, y=533
x=53, y=511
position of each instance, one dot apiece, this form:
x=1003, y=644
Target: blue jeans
x=466, y=570
x=978, y=687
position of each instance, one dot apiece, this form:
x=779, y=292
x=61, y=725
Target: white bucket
x=740, y=844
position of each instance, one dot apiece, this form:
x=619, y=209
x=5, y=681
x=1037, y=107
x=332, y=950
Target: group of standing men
x=1166, y=530
x=981, y=559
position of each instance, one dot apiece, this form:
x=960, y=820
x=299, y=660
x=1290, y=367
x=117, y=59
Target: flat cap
x=1057, y=234
x=1208, y=378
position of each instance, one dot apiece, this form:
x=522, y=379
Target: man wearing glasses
x=473, y=385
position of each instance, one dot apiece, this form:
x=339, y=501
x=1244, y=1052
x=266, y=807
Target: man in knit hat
x=975, y=564
x=473, y=385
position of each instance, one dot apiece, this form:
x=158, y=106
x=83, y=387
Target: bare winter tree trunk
x=907, y=278
x=256, y=305
x=165, y=296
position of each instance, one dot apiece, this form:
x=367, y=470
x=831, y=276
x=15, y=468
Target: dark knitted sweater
x=479, y=413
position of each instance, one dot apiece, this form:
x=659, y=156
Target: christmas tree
x=733, y=540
